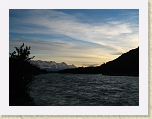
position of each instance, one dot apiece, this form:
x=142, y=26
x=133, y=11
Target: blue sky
x=80, y=37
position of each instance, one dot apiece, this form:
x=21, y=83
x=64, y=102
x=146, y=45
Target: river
x=84, y=90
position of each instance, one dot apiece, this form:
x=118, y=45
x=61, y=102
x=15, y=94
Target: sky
x=83, y=37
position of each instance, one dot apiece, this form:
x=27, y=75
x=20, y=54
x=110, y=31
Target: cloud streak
x=112, y=35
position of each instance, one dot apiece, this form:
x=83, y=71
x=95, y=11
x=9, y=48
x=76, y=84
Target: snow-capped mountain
x=51, y=65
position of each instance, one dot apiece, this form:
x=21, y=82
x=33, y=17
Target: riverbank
x=21, y=74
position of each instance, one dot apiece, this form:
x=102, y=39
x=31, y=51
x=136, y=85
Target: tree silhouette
x=21, y=74
x=22, y=53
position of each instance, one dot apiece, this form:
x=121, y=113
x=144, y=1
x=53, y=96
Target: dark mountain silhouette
x=125, y=65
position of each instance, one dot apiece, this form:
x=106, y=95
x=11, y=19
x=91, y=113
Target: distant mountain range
x=125, y=65
x=51, y=66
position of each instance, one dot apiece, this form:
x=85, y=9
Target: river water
x=84, y=90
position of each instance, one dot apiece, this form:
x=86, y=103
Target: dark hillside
x=125, y=65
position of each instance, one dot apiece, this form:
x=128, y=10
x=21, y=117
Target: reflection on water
x=85, y=90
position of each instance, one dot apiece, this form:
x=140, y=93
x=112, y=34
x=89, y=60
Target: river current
x=84, y=90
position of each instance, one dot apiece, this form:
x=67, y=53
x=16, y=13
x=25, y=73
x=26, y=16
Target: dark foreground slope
x=125, y=65
x=20, y=75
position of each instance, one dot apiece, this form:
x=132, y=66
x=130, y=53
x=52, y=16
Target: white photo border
x=142, y=109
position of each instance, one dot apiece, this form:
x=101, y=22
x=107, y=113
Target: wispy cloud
x=112, y=35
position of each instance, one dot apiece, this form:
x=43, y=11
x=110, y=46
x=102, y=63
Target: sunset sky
x=82, y=37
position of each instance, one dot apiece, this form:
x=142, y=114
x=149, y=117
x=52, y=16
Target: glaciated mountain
x=51, y=65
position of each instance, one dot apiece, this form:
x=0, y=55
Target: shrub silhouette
x=21, y=74
x=22, y=53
